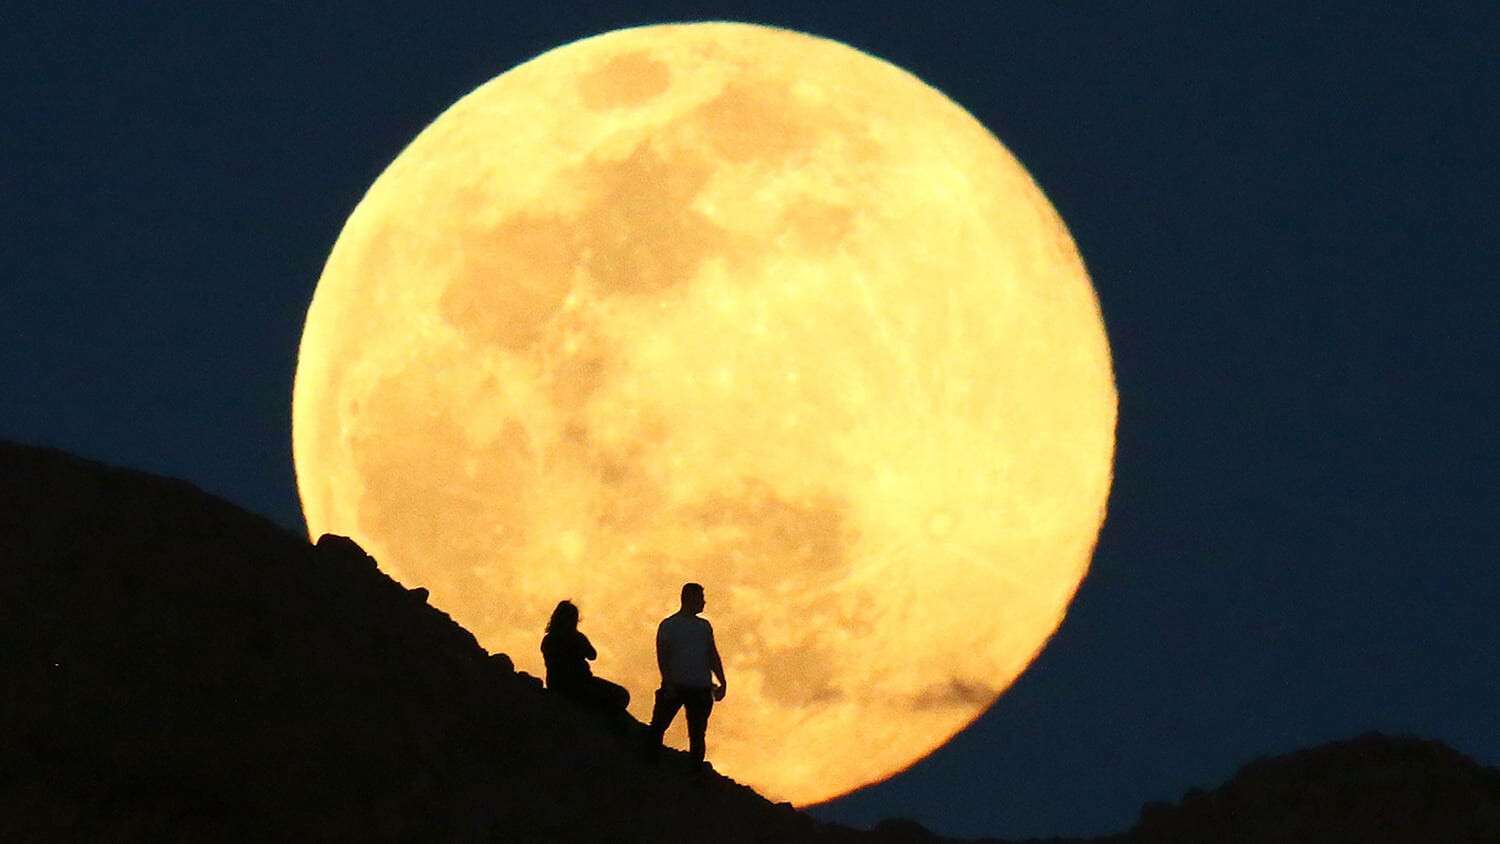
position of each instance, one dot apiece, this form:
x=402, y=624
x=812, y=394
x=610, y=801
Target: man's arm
x=716, y=665
x=662, y=646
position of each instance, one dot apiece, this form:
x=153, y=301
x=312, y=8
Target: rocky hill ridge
x=184, y=669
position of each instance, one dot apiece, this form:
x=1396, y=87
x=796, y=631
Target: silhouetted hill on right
x=1373, y=789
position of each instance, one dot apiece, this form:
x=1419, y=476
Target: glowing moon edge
x=733, y=304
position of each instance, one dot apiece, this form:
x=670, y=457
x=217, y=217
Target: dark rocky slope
x=179, y=669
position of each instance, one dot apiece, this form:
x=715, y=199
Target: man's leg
x=662, y=712
x=699, y=703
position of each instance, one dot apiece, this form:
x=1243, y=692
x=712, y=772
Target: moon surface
x=732, y=304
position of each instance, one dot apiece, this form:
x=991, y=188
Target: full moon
x=730, y=304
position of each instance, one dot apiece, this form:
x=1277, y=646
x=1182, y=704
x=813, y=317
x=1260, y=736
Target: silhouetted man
x=688, y=659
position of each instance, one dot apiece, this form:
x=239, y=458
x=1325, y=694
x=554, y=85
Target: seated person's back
x=566, y=653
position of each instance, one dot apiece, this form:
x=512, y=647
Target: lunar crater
x=955, y=693
x=625, y=80
x=756, y=120
x=798, y=677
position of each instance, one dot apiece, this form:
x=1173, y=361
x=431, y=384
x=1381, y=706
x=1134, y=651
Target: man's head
x=692, y=597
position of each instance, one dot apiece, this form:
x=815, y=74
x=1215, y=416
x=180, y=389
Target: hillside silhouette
x=180, y=669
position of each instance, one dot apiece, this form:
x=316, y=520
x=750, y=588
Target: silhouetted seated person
x=567, y=653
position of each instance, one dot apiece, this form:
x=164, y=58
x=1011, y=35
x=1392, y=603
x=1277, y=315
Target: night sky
x=1289, y=216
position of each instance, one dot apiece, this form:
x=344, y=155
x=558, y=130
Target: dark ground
x=180, y=669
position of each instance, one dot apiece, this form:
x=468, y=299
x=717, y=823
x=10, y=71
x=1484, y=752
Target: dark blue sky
x=1289, y=215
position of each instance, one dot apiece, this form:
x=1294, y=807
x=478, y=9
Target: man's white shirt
x=686, y=641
